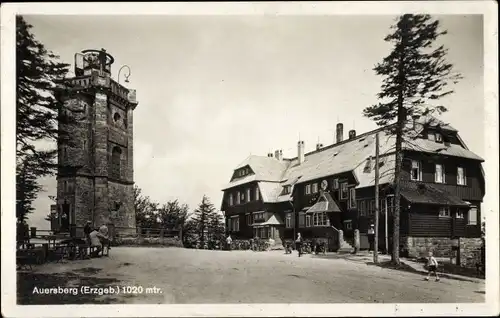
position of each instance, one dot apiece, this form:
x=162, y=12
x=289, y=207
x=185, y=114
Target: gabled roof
x=349, y=155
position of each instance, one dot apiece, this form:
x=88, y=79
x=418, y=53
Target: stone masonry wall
x=470, y=251
x=101, y=134
x=130, y=147
x=102, y=215
x=124, y=218
x=84, y=201
x=421, y=246
x=79, y=133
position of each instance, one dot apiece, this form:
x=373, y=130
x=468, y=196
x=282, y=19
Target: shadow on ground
x=407, y=268
x=27, y=281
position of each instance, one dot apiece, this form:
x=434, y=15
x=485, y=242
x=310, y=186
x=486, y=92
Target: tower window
x=117, y=117
x=116, y=162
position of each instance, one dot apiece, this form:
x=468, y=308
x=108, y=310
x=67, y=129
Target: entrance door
x=65, y=217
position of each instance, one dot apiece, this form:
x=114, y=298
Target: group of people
x=97, y=238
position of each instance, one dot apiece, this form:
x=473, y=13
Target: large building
x=95, y=177
x=332, y=188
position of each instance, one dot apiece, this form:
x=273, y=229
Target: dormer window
x=431, y=136
x=287, y=189
x=368, y=165
x=439, y=137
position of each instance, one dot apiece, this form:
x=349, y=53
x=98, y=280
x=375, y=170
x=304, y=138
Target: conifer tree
x=39, y=76
x=415, y=76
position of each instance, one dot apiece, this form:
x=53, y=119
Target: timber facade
x=331, y=190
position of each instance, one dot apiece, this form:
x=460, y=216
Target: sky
x=214, y=89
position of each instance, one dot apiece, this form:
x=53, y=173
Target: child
x=432, y=264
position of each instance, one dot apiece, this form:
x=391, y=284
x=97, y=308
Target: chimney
x=352, y=134
x=319, y=146
x=340, y=132
x=300, y=152
x=278, y=154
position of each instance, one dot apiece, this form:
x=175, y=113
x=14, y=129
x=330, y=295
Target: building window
x=335, y=184
x=116, y=155
x=248, y=195
x=84, y=145
x=371, y=208
x=459, y=214
x=343, y=190
x=472, y=219
x=308, y=221
x=235, y=224
x=242, y=197
x=287, y=189
x=348, y=224
x=390, y=204
x=361, y=208
x=308, y=189
x=230, y=195
x=289, y=221
x=320, y=219
x=439, y=137
x=238, y=197
x=228, y=224
x=257, y=193
x=444, y=212
x=416, y=172
x=314, y=187
x=65, y=186
x=439, y=176
x=461, y=179
x=302, y=217
x=249, y=219
x=258, y=216
x=431, y=136
x=352, y=198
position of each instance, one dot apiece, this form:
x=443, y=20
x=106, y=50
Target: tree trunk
x=399, y=143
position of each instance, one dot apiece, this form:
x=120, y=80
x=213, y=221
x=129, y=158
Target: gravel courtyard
x=202, y=276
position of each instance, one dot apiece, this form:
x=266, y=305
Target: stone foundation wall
x=470, y=248
x=470, y=251
x=421, y=246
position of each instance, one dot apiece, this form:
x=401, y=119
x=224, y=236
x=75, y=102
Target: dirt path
x=199, y=276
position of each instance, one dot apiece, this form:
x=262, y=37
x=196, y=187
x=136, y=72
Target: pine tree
x=416, y=75
x=216, y=228
x=39, y=76
x=201, y=220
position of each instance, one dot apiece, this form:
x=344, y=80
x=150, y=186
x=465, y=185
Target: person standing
x=432, y=264
x=229, y=240
x=298, y=244
x=371, y=236
x=86, y=231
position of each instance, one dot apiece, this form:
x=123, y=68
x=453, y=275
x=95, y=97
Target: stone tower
x=95, y=176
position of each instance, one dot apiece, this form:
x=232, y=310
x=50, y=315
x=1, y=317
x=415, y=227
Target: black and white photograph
x=250, y=159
